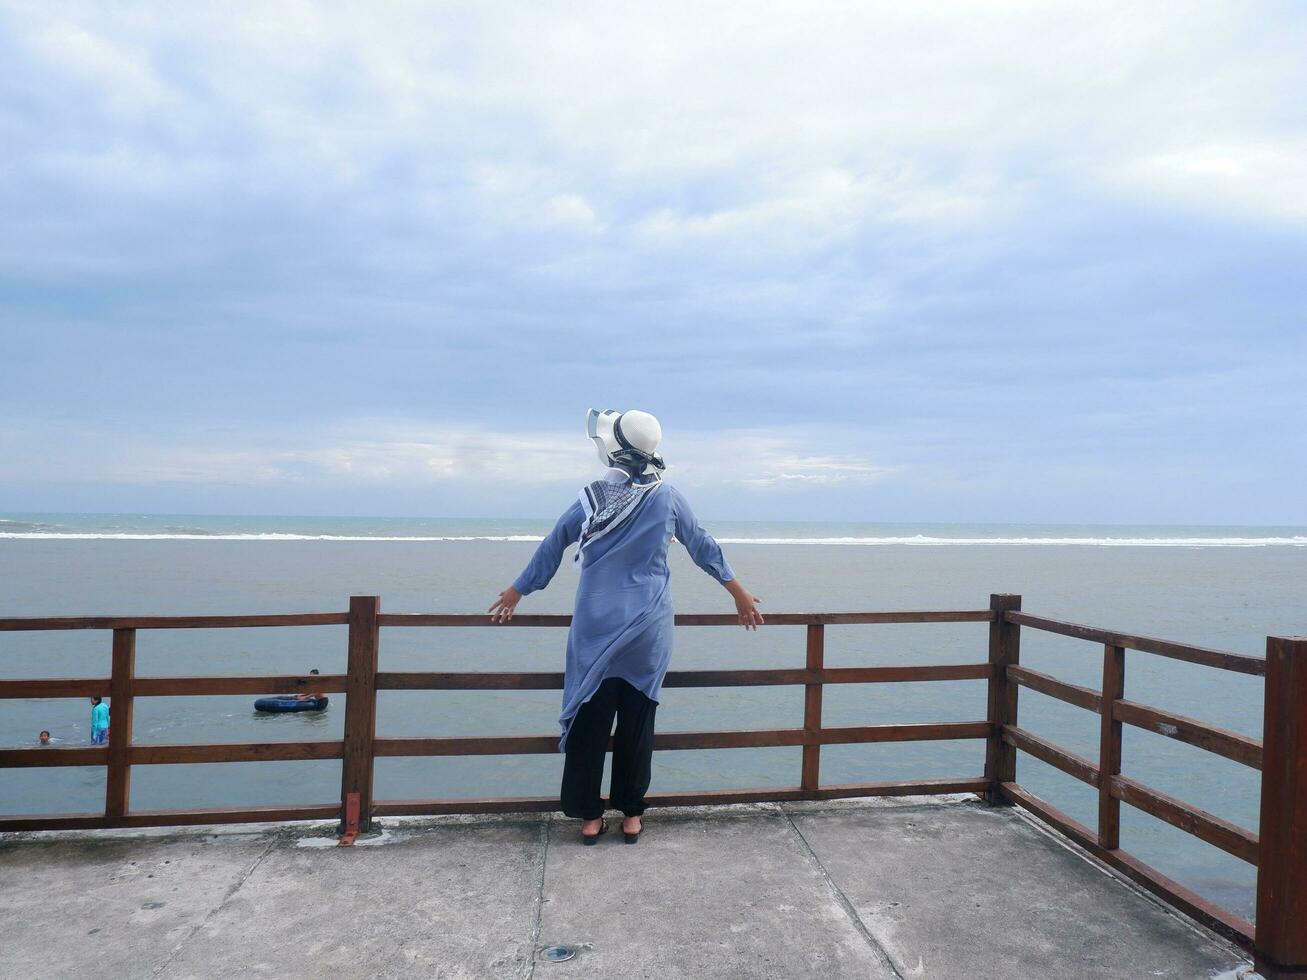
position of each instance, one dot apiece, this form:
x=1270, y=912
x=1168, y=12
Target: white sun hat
x=629, y=438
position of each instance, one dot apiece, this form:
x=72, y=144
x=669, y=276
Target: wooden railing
x=1280, y=853
x=360, y=746
x=1279, y=940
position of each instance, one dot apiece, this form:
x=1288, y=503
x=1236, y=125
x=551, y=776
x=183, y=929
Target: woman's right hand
x=501, y=610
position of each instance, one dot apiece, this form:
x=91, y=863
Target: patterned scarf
x=609, y=503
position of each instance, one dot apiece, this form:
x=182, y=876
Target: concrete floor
x=880, y=889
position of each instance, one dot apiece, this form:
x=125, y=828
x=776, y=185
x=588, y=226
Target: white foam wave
x=1299, y=541
x=270, y=536
x=1105, y=542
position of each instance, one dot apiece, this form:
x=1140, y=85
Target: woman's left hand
x=746, y=604
x=746, y=607
x=501, y=610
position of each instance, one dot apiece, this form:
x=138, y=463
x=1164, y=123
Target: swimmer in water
x=309, y=695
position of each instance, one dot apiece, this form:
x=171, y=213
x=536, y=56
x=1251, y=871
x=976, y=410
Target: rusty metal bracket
x=351, y=820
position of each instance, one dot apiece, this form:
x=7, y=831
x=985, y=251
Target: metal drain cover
x=557, y=954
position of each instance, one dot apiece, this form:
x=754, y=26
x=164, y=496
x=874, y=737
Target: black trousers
x=587, y=742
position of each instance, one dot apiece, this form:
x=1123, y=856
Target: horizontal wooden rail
x=172, y=622
x=930, y=672
x=1054, y=755
x=1223, y=659
x=920, y=787
x=52, y=755
x=56, y=687
x=703, y=619
x=147, y=755
x=1081, y=697
x=1222, y=741
x=53, y=821
x=473, y=680
x=1209, y=914
x=27, y=624
x=466, y=745
x=529, y=804
x=174, y=754
x=170, y=818
x=905, y=733
x=504, y=681
x=61, y=687
x=154, y=755
x=467, y=620
x=761, y=738
x=1201, y=824
x=282, y=683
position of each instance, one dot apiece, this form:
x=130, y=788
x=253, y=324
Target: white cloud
x=761, y=460
x=1267, y=180
x=816, y=470
x=940, y=217
x=116, y=66
x=380, y=455
x=822, y=207
x=806, y=121
x=572, y=210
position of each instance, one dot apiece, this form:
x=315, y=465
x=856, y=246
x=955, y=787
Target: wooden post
x=360, y=706
x=1004, y=652
x=1109, y=748
x=812, y=711
x=117, y=786
x=1281, y=935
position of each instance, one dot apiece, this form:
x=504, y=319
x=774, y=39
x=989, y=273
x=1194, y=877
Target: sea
x=1224, y=587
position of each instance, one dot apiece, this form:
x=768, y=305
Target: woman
x=621, y=637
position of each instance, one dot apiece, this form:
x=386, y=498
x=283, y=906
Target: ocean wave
x=1299, y=541
x=268, y=536
x=1105, y=542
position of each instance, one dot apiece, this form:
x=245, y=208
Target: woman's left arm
x=544, y=563
x=746, y=604
x=707, y=554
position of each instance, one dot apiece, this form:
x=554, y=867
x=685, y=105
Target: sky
x=998, y=262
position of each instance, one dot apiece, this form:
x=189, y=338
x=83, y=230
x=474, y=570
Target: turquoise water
x=1221, y=587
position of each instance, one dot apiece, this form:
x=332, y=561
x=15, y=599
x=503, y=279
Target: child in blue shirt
x=99, y=722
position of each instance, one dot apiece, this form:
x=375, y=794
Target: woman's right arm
x=543, y=564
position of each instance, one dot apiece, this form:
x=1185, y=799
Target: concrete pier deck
x=873, y=889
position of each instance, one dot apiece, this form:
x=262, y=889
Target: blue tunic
x=622, y=623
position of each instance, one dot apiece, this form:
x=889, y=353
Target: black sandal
x=591, y=839
x=634, y=838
